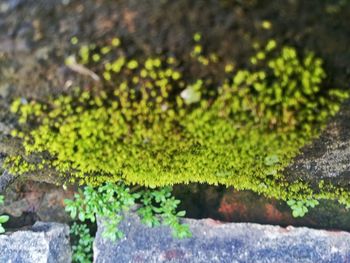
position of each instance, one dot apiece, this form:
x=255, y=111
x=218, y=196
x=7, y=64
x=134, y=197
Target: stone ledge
x=214, y=241
x=42, y=243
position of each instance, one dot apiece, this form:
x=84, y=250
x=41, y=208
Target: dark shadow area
x=225, y=204
x=26, y=220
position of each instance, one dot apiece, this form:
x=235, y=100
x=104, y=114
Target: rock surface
x=43, y=243
x=328, y=157
x=5, y=180
x=45, y=201
x=223, y=243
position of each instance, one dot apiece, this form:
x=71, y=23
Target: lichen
x=154, y=127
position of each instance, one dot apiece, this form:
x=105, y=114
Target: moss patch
x=153, y=126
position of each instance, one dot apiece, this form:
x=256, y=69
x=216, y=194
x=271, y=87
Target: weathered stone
x=5, y=180
x=45, y=201
x=213, y=241
x=328, y=157
x=43, y=243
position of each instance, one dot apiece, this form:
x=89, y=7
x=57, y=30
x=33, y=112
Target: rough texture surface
x=44, y=200
x=37, y=44
x=6, y=179
x=329, y=156
x=43, y=243
x=223, y=243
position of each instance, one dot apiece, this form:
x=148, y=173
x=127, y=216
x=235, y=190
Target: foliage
x=287, y=95
x=158, y=204
x=3, y=218
x=110, y=201
x=300, y=208
x=153, y=126
x=82, y=247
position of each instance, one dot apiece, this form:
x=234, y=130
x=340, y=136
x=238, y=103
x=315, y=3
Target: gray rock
x=213, y=241
x=6, y=179
x=43, y=243
x=328, y=157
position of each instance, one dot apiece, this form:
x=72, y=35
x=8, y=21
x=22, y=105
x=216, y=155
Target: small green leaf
x=4, y=219
x=81, y=216
x=181, y=213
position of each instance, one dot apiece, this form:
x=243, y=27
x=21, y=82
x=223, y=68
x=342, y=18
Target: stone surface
x=328, y=157
x=213, y=241
x=45, y=201
x=5, y=180
x=43, y=243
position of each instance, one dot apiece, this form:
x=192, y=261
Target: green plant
x=153, y=126
x=82, y=245
x=3, y=218
x=158, y=206
x=111, y=201
x=300, y=207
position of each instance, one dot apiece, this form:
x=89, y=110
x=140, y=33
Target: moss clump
x=153, y=127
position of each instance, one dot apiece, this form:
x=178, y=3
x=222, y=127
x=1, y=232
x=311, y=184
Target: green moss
x=152, y=127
